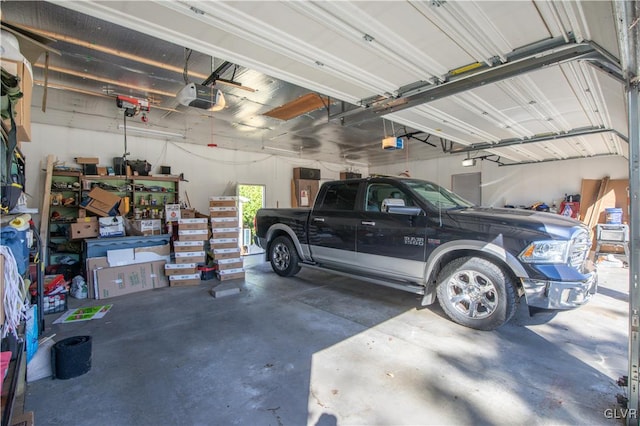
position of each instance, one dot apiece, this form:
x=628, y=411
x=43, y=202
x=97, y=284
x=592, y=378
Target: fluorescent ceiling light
x=151, y=132
x=275, y=148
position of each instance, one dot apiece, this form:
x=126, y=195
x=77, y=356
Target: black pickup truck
x=416, y=236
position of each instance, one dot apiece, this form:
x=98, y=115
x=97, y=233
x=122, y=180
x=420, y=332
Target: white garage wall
x=210, y=171
x=517, y=185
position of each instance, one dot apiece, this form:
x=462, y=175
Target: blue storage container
x=613, y=216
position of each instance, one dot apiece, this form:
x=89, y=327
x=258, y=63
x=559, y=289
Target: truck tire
x=284, y=257
x=476, y=293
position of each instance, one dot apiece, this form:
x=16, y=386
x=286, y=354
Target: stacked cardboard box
x=225, y=229
x=188, y=251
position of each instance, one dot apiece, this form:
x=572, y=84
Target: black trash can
x=71, y=357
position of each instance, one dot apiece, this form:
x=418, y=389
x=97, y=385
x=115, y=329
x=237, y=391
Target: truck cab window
x=340, y=197
x=378, y=192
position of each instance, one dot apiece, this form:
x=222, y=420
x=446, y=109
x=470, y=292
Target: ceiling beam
x=518, y=65
x=542, y=138
x=521, y=163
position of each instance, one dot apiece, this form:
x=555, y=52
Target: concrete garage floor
x=324, y=350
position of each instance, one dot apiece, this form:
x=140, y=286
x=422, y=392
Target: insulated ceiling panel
x=375, y=57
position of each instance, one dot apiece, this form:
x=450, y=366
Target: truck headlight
x=551, y=251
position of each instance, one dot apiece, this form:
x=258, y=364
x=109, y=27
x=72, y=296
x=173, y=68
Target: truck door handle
x=367, y=222
x=318, y=219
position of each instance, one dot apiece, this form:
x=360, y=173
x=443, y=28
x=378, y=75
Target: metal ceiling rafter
x=556, y=52
x=521, y=163
x=552, y=137
x=106, y=12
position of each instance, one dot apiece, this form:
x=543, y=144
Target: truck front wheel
x=284, y=257
x=476, y=293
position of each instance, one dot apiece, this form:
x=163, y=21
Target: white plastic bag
x=79, y=287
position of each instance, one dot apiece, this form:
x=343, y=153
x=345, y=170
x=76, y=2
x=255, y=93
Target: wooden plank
x=588, y=195
x=44, y=215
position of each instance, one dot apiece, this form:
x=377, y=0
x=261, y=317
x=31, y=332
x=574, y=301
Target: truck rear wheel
x=476, y=293
x=284, y=257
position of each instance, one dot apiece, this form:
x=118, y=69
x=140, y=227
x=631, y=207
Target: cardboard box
x=230, y=274
x=223, y=203
x=184, y=224
x=84, y=230
x=223, y=198
x=226, y=253
x=103, y=203
x=149, y=226
x=187, y=213
x=223, y=211
x=223, y=243
x=197, y=259
x=217, y=233
x=172, y=212
x=87, y=160
x=187, y=246
x=121, y=280
x=193, y=235
x=184, y=280
x=112, y=226
x=22, y=111
x=190, y=257
x=94, y=263
x=180, y=269
x=225, y=222
x=230, y=263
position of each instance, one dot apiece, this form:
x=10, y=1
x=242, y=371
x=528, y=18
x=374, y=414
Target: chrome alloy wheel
x=472, y=294
x=280, y=256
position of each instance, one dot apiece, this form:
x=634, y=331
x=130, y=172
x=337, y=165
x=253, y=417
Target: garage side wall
x=517, y=185
x=209, y=171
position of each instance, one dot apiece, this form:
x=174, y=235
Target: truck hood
x=525, y=224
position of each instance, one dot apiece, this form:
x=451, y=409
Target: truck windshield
x=437, y=196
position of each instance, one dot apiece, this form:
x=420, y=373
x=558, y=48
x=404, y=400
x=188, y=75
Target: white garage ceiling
x=512, y=82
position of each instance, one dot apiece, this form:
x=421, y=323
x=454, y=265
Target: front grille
x=580, y=246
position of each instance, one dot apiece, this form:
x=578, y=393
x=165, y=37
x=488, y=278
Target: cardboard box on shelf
x=184, y=280
x=112, y=226
x=103, y=203
x=225, y=222
x=194, y=223
x=87, y=160
x=120, y=280
x=180, y=269
x=83, y=230
x=149, y=226
x=187, y=246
